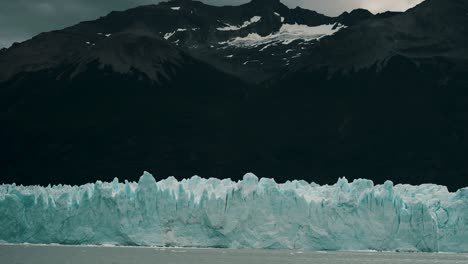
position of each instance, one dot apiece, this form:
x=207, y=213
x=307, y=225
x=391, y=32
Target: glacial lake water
x=50, y=254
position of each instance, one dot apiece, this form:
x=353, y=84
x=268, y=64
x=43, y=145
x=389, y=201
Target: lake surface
x=41, y=254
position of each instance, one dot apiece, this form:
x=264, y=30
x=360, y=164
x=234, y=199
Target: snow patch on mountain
x=170, y=34
x=105, y=35
x=286, y=34
x=282, y=18
x=254, y=19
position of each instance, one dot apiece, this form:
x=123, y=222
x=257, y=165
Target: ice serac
x=251, y=213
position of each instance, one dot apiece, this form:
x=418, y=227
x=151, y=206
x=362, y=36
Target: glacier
x=287, y=34
x=250, y=213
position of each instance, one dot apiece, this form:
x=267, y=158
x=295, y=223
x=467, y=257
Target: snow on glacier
x=285, y=35
x=253, y=20
x=251, y=213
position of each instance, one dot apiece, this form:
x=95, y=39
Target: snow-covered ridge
x=251, y=213
x=286, y=34
x=254, y=19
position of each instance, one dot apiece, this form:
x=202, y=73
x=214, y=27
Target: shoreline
x=163, y=248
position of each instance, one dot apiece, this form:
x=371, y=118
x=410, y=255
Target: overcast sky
x=22, y=19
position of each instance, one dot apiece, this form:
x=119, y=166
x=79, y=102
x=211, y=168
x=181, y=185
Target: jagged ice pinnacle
x=250, y=213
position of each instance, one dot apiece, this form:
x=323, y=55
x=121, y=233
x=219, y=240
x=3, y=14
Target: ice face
x=251, y=213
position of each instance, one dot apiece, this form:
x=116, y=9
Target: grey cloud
x=336, y=7
x=22, y=19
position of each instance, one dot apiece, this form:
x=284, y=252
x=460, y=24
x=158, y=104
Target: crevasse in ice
x=250, y=213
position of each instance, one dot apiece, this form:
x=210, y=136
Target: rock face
x=251, y=213
x=182, y=87
x=202, y=30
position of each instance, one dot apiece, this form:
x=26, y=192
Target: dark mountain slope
x=397, y=122
x=391, y=103
x=103, y=124
x=205, y=32
x=433, y=29
x=74, y=104
x=136, y=48
x=173, y=89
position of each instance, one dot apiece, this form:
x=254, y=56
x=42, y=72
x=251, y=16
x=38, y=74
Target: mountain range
x=183, y=88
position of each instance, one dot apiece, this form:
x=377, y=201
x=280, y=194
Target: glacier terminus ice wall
x=251, y=213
